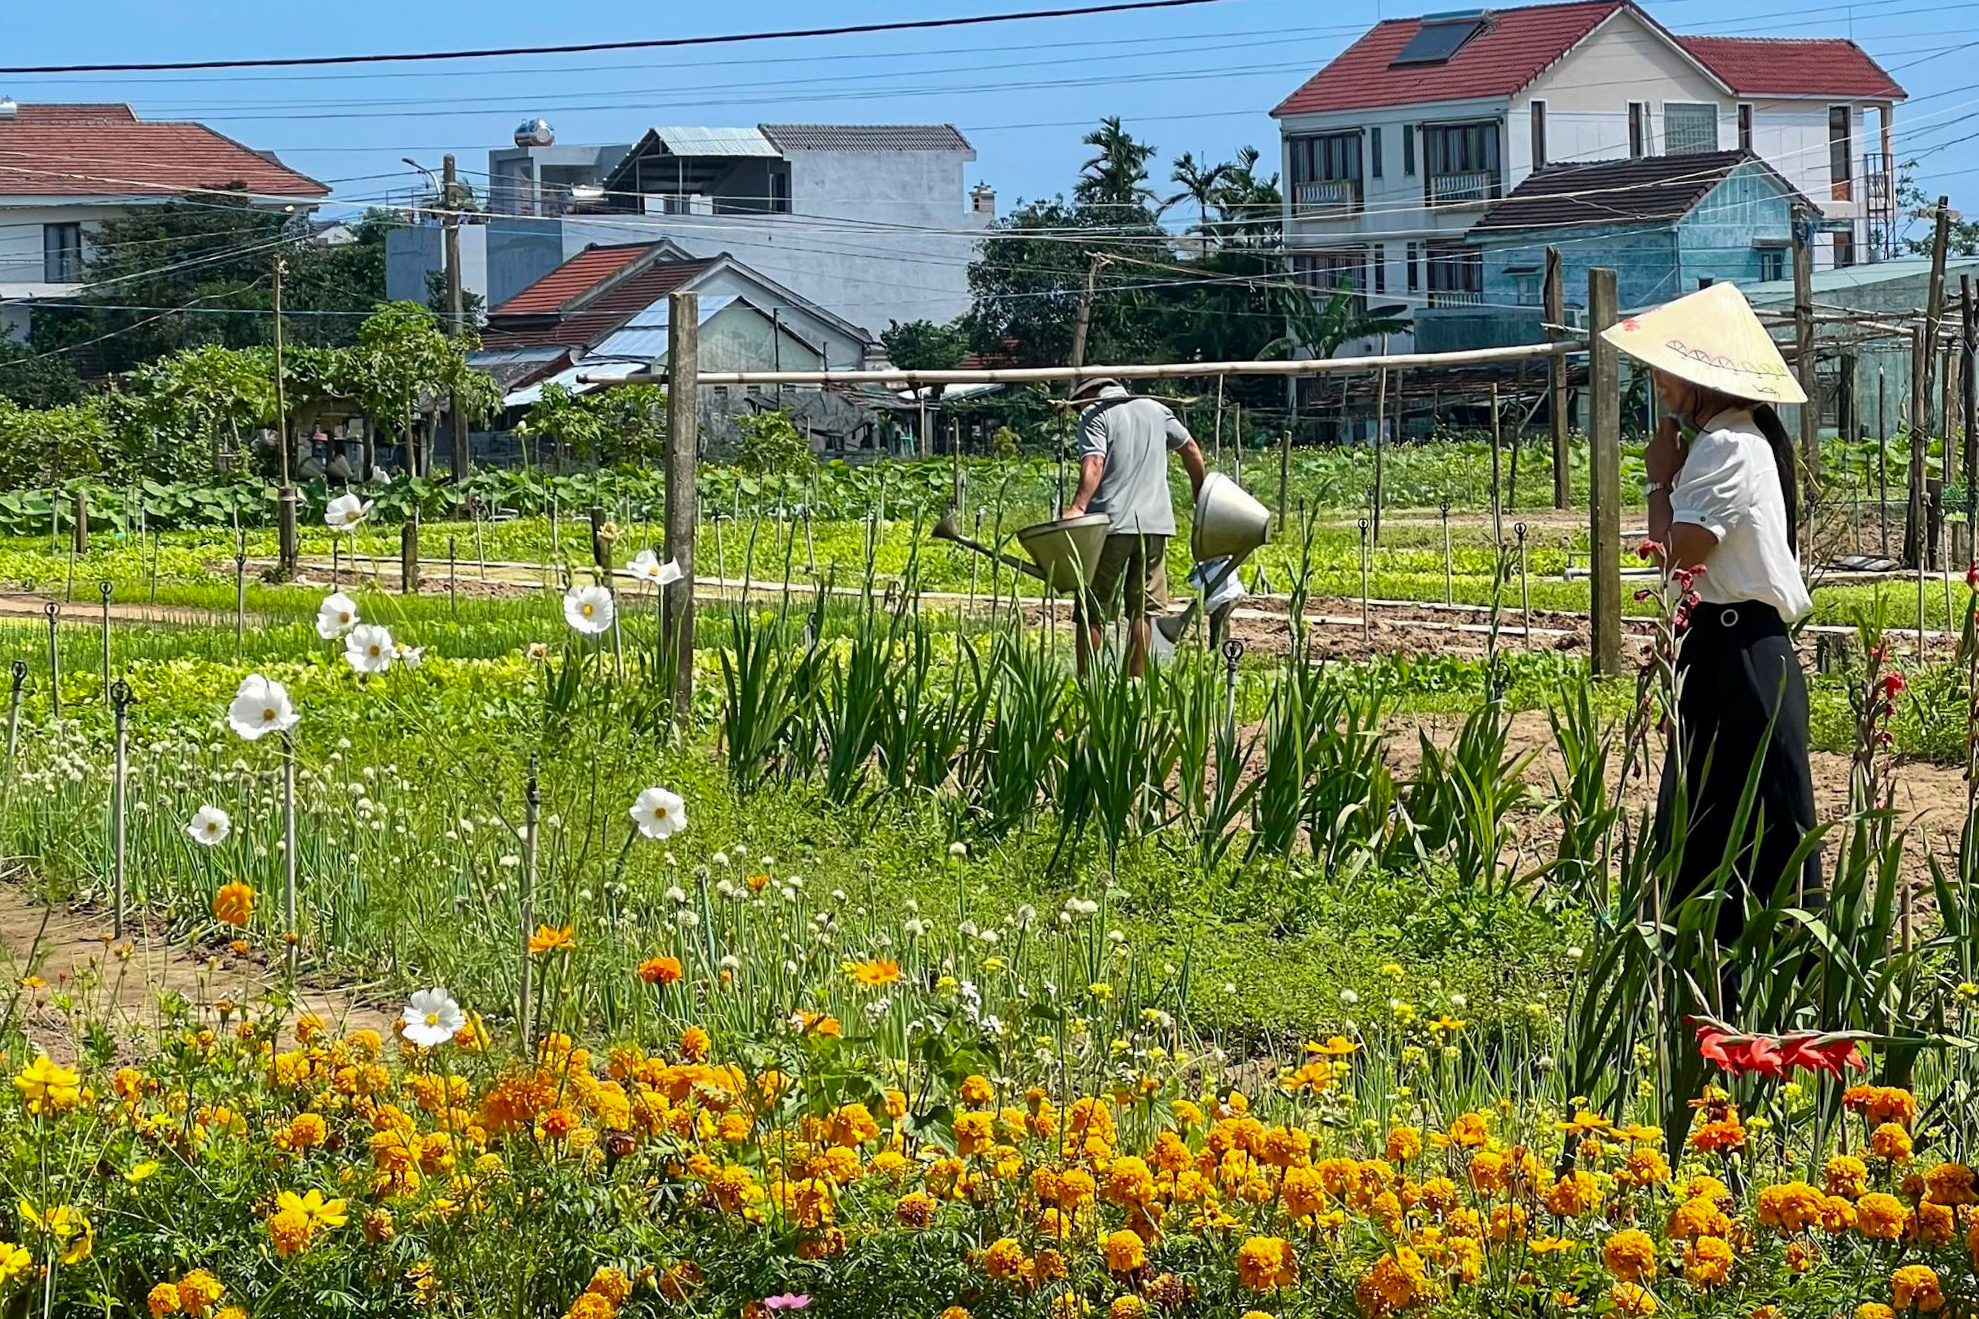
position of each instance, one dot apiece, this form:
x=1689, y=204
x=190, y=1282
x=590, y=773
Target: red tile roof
x=575, y=277
x=586, y=298
x=105, y=150
x=1522, y=43
x=1519, y=45
x=1772, y=66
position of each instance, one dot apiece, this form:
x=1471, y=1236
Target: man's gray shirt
x=1134, y=436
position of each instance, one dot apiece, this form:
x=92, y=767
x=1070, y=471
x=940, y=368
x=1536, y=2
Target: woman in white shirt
x=1725, y=502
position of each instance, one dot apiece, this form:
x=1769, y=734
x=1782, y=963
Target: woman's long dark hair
x=1710, y=403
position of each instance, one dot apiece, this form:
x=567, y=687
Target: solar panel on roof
x=1436, y=41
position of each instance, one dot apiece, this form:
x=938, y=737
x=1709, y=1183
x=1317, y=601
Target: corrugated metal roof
x=644, y=337
x=681, y=141
x=567, y=377
x=868, y=137
x=1649, y=188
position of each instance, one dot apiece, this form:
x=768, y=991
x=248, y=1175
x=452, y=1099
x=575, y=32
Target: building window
x=1327, y=273
x=1456, y=275
x=1637, y=114
x=61, y=253
x=1525, y=285
x=1744, y=127
x=1326, y=173
x=1772, y=263
x=1840, y=149
x=1374, y=153
x=1415, y=269
x=1409, y=150
x=1462, y=162
x=1539, y=135
x=1689, y=128
x=1380, y=268
x=1844, y=250
x=779, y=192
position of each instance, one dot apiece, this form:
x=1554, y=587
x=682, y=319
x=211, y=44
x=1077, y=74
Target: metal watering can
x=1064, y=552
x=1229, y=525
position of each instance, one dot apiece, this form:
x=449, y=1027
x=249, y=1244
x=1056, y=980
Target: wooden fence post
x=1604, y=460
x=683, y=436
x=1556, y=381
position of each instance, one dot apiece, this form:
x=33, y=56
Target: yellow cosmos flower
x=15, y=1261
x=66, y=1225
x=553, y=939
x=47, y=1087
x=875, y=973
x=313, y=1207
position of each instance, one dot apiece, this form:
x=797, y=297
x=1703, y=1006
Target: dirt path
x=69, y=975
x=1930, y=799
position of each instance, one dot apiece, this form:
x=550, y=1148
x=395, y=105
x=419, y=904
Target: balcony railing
x=1478, y=185
x=1456, y=297
x=1322, y=197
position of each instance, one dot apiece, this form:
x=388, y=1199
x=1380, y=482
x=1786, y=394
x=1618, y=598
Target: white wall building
x=64, y=169
x=1393, y=150
x=875, y=222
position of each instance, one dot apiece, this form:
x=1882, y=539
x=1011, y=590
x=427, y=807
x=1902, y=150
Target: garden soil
x=83, y=978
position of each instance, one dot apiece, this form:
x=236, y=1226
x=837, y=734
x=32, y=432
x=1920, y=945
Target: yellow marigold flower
x=589, y=1305
x=1874, y=1310
x=1127, y=1307
x=1708, y=1262
x=1880, y=1215
x=611, y=1284
x=1470, y=1130
x=289, y=1231
x=15, y=1261
x=694, y=1044
x=1395, y=1283
x=1916, y=1285
x=1890, y=1141
x=553, y=939
x=1125, y=1251
x=1004, y=1259
x=1267, y=1263
x=977, y=1090
x=1644, y=1167
x=47, y=1087
x=162, y=1300
x=1932, y=1224
x=1632, y=1299
x=874, y=974
x=955, y=1312
x=975, y=1132
x=307, y=1131
x=1630, y=1255
x=1403, y=1144
x=233, y=904
x=1846, y=1175
x=232, y=1312
x=200, y=1291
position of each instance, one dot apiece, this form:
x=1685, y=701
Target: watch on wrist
x=1655, y=487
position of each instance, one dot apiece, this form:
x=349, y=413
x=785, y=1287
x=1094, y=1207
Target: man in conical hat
x=1722, y=511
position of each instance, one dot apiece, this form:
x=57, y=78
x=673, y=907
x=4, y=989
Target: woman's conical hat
x=1710, y=338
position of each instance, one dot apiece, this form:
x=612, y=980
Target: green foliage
x=925, y=345
x=50, y=445
x=34, y=379
x=771, y=445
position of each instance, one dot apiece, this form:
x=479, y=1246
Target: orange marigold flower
x=611, y=1284
x=1403, y=1144
x=1880, y=1215
x=1932, y=1224
x=1708, y=1262
x=1632, y=1299
x=1916, y=1285
x=1004, y=1260
x=1727, y=1133
x=660, y=970
x=1630, y=1255
x=694, y=1044
x=1573, y=1195
x=233, y=904
x=1469, y=1130
x=199, y=1292
x=289, y=1230
x=553, y=939
x=1950, y=1184
x=915, y=1210
x=1890, y=1141
x=1846, y=1175
x=162, y=1300
x=1790, y=1206
x=1267, y=1263
x=1395, y=1282
x=1874, y=1310
x=1881, y=1103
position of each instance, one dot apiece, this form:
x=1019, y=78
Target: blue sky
x=1200, y=80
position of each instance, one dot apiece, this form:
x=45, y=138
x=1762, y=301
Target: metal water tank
x=534, y=133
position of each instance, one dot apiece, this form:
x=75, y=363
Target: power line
x=590, y=47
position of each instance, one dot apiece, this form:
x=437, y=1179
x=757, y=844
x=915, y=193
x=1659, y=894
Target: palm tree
x=1202, y=185
x=1117, y=175
x=1249, y=207
x=1319, y=328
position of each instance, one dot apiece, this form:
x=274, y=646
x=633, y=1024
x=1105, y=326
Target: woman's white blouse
x=1730, y=486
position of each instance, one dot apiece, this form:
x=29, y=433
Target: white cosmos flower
x=344, y=512
x=369, y=648
x=335, y=616
x=659, y=813
x=410, y=656
x=646, y=566
x=210, y=826
x=588, y=609
x=431, y=1018
x=260, y=707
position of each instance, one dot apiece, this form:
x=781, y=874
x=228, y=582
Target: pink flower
x=1649, y=549
x=787, y=1301
x=1972, y=577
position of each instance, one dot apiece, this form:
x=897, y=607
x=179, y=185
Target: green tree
x=772, y=445
x=562, y=420
x=37, y=379
x=1200, y=184
x=1116, y=176
x=404, y=362
x=1026, y=286
x=192, y=404
x=42, y=447
x=925, y=345
x=632, y=424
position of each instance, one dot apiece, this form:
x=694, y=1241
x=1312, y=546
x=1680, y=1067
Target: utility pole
x=1604, y=463
x=285, y=496
x=463, y=460
x=683, y=445
x=1082, y=323
x=1934, y=308
x=1556, y=378
x=1803, y=338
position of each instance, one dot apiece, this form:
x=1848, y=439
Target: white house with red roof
x=1394, y=150
x=64, y=169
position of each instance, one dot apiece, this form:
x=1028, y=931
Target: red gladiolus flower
x=1803, y=1050
x=1891, y=684
x=1649, y=549
x=1972, y=577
